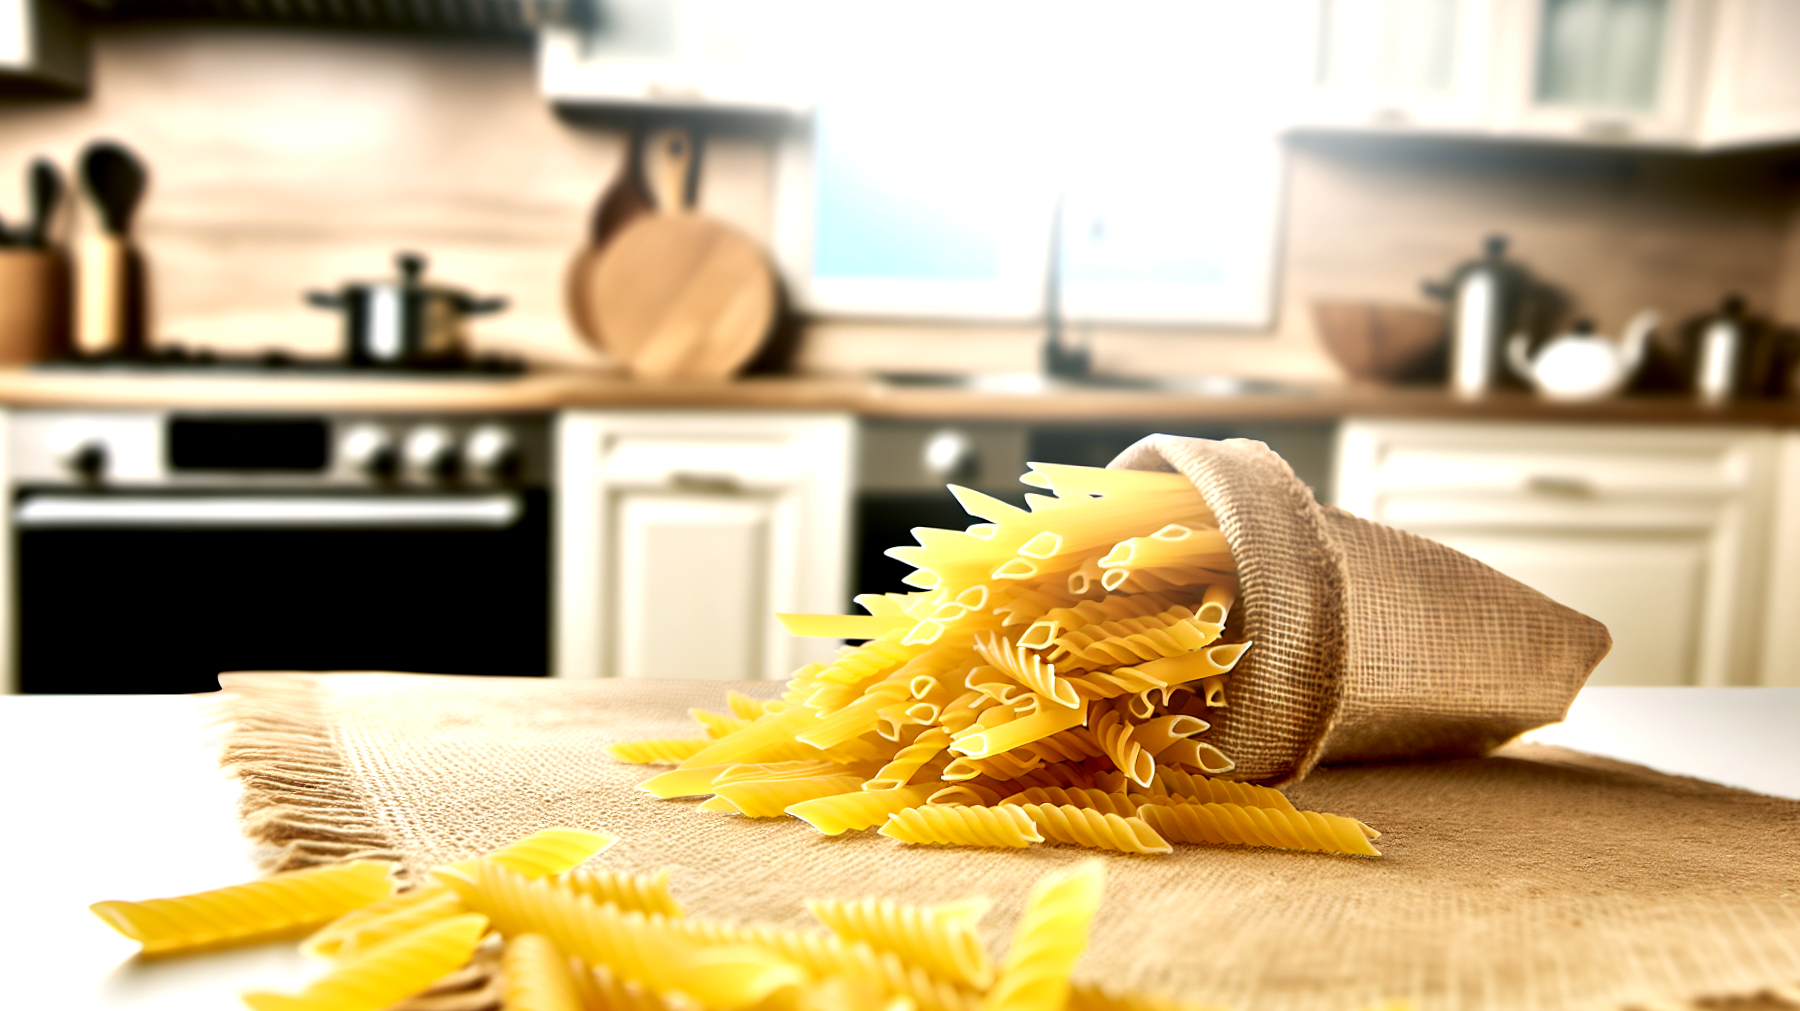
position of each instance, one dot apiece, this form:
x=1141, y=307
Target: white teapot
x=1582, y=365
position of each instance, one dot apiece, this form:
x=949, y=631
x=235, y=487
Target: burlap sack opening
x=1372, y=644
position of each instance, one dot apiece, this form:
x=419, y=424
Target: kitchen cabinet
x=1781, y=629
x=1754, y=94
x=43, y=48
x=681, y=534
x=1660, y=533
x=719, y=54
x=1403, y=63
x=1624, y=71
x=1696, y=74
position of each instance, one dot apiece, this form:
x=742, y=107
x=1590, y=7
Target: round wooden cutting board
x=678, y=295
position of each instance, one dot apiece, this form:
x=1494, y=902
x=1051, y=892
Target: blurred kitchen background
x=713, y=296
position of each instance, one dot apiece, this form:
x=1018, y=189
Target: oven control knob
x=86, y=460
x=491, y=454
x=370, y=449
x=431, y=456
x=950, y=455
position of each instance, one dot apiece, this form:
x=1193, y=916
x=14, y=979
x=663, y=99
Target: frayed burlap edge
x=300, y=803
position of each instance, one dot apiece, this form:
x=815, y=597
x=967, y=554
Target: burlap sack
x=1372, y=644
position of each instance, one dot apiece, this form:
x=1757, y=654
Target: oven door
x=131, y=592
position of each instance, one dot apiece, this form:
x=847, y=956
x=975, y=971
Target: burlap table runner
x=1535, y=878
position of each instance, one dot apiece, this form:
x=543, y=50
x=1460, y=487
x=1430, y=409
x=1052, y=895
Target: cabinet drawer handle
x=684, y=480
x=1560, y=486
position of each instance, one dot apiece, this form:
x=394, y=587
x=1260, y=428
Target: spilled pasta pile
x=546, y=936
x=1049, y=682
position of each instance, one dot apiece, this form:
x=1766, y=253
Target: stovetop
x=173, y=360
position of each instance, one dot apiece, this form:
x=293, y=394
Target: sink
x=1040, y=382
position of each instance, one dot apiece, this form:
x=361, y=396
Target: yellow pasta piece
x=650, y=949
x=772, y=798
x=825, y=955
x=718, y=725
x=388, y=972
x=842, y=626
x=1133, y=640
x=1083, y=826
x=765, y=772
x=238, y=913
x=1051, y=934
x=770, y=739
x=1174, y=544
x=942, y=825
x=360, y=929
x=1178, y=784
x=1117, y=738
x=1258, y=826
x=1088, y=797
x=909, y=760
x=965, y=795
x=549, y=851
x=860, y=809
x=942, y=939
x=602, y=989
x=743, y=706
x=660, y=750
x=1043, y=719
x=536, y=976
x=694, y=782
x=1027, y=669
x=646, y=893
x=1199, y=755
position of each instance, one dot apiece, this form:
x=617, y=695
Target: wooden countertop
x=554, y=390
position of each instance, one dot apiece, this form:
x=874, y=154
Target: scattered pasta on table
x=571, y=938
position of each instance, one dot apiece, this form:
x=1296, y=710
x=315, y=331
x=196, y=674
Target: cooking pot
x=403, y=322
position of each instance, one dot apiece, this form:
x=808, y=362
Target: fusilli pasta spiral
x=939, y=825
x=536, y=976
x=1258, y=826
x=1084, y=826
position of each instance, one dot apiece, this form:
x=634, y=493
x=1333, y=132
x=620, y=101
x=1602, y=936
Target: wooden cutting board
x=625, y=199
x=678, y=295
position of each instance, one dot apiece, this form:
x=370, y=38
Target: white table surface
x=121, y=797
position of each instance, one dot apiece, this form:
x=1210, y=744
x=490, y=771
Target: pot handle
x=325, y=300
x=476, y=306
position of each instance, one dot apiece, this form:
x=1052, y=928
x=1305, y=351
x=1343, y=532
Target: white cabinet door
x=1660, y=533
x=1753, y=88
x=1614, y=71
x=1403, y=63
x=672, y=625
x=1781, y=622
x=680, y=535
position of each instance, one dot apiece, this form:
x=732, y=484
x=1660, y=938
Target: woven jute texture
x=1530, y=878
x=1371, y=643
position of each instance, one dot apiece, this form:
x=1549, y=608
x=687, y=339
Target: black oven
x=153, y=551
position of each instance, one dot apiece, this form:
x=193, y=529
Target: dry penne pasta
x=1079, y=643
x=394, y=969
x=240, y=913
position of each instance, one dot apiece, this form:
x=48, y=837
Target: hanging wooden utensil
x=625, y=200
x=679, y=295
